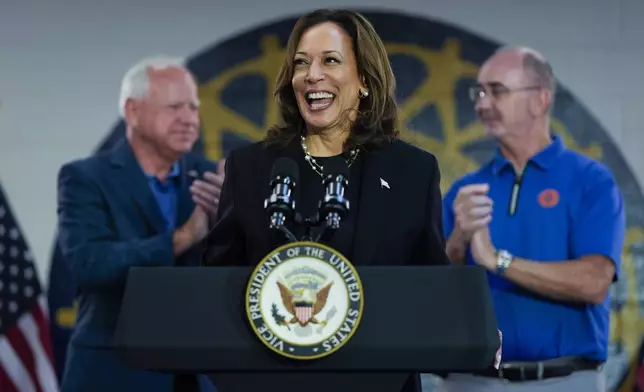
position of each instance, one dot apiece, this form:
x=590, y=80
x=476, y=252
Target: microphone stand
x=308, y=227
x=289, y=236
x=331, y=223
x=309, y=223
x=334, y=208
x=329, y=226
x=277, y=222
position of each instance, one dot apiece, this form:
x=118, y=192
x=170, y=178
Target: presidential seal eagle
x=302, y=309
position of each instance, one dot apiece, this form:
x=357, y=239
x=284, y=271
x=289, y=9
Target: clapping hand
x=473, y=214
x=483, y=252
x=472, y=209
x=206, y=191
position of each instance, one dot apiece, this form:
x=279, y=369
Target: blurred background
x=61, y=65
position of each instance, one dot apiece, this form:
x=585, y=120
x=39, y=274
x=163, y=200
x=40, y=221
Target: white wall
x=61, y=65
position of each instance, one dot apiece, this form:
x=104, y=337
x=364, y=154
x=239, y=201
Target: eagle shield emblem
x=304, y=300
x=304, y=304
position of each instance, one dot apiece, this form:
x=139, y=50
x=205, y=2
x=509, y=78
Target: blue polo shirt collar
x=172, y=175
x=544, y=159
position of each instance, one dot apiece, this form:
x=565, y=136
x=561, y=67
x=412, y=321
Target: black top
x=310, y=191
x=395, y=215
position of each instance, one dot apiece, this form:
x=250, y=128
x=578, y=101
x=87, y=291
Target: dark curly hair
x=377, y=119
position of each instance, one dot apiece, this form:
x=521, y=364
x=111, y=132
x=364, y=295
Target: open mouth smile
x=319, y=100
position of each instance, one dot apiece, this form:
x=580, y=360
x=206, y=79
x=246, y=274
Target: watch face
x=504, y=260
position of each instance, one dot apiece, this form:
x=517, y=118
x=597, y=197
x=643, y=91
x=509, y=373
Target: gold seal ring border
x=279, y=250
x=345, y=315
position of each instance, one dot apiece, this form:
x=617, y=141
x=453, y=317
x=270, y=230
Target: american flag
x=26, y=360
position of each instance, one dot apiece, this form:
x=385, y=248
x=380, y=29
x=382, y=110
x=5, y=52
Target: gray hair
x=136, y=82
x=536, y=68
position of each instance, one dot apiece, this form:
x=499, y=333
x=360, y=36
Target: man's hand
x=472, y=209
x=221, y=167
x=483, y=252
x=206, y=192
x=193, y=231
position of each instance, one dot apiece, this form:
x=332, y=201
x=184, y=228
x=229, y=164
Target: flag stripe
x=14, y=368
x=5, y=382
x=25, y=347
x=42, y=303
x=44, y=370
x=22, y=350
x=40, y=316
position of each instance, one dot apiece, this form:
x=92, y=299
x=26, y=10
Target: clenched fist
x=472, y=208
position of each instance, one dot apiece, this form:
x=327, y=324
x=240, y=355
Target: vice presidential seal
x=304, y=300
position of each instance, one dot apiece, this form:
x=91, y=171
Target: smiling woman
x=336, y=85
x=336, y=95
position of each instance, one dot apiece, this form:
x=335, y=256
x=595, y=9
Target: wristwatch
x=503, y=261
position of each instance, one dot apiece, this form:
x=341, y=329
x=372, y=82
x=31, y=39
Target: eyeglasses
x=496, y=90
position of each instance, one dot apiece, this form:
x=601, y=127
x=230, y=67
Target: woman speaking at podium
x=336, y=96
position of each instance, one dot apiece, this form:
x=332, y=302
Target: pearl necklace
x=319, y=169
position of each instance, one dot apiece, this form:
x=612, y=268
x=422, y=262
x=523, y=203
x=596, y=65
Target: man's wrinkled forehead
x=503, y=68
x=171, y=82
x=170, y=75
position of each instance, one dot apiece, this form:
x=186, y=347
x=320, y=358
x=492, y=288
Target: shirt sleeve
x=600, y=224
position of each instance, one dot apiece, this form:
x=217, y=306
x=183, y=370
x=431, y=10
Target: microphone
x=280, y=205
x=334, y=207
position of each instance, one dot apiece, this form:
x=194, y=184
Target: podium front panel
x=416, y=319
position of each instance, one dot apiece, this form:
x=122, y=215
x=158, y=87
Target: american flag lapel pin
x=384, y=184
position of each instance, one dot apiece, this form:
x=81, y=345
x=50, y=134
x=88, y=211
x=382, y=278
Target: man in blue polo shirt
x=548, y=224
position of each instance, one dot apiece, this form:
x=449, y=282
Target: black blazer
x=109, y=221
x=398, y=225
